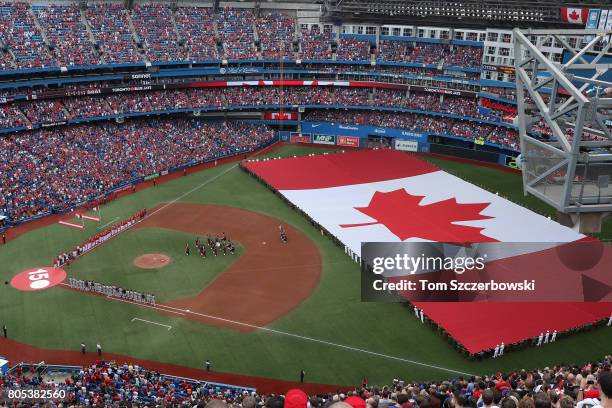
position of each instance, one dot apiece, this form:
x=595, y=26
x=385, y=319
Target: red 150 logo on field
x=38, y=278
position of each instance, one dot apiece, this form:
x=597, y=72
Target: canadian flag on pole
x=574, y=15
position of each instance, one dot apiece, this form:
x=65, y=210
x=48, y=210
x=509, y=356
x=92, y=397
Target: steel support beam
x=566, y=168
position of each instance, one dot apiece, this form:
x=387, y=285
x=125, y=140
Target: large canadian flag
x=574, y=15
x=388, y=196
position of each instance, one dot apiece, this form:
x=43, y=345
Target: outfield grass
x=58, y=318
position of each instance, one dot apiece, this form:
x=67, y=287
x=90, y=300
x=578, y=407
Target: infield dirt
x=269, y=280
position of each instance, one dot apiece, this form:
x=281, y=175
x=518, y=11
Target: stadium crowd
x=353, y=50
x=426, y=53
x=18, y=31
x=11, y=117
x=276, y=39
x=153, y=25
x=315, y=43
x=109, y=24
x=41, y=111
x=43, y=170
x=67, y=34
x=110, y=384
x=43, y=35
x=196, y=26
x=236, y=30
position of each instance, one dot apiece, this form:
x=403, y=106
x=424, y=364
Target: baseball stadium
x=236, y=204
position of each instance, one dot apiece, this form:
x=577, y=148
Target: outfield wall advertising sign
x=300, y=138
x=324, y=139
x=406, y=145
x=350, y=141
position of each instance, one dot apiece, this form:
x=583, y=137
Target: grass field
x=380, y=341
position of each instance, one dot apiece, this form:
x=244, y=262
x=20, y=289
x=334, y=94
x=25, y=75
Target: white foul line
x=329, y=343
x=199, y=186
x=145, y=305
x=183, y=312
x=109, y=223
x=148, y=321
x=130, y=302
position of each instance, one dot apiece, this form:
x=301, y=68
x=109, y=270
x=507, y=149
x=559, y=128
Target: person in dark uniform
x=83, y=348
x=99, y=348
x=187, y=249
x=302, y=375
x=4, y=331
x=207, y=366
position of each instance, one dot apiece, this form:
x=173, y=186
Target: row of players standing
x=111, y=291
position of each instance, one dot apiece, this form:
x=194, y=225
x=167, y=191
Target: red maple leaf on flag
x=573, y=15
x=403, y=215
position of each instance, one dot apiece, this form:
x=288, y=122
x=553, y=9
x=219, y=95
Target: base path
x=269, y=280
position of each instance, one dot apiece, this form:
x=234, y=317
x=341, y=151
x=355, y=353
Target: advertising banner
x=324, y=139
x=444, y=91
x=499, y=68
x=406, y=145
x=494, y=105
x=94, y=91
x=350, y=141
x=300, y=138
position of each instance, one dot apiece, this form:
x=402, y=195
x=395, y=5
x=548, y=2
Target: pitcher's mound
x=152, y=261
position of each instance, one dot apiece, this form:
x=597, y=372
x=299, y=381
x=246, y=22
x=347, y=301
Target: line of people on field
x=111, y=291
x=546, y=338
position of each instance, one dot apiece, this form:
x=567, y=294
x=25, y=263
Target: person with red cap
x=355, y=402
x=296, y=398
